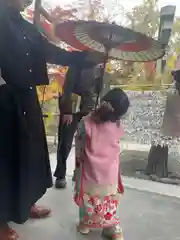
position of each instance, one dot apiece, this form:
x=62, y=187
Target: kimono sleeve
x=80, y=142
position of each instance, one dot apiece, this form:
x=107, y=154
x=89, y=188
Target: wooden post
x=158, y=161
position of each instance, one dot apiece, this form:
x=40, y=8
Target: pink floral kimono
x=98, y=183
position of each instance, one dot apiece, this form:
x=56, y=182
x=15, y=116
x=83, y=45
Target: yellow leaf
x=108, y=67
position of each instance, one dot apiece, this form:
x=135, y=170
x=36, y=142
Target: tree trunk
x=158, y=161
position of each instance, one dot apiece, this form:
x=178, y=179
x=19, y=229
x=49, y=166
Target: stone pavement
x=144, y=215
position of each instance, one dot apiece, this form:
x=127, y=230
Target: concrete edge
x=152, y=187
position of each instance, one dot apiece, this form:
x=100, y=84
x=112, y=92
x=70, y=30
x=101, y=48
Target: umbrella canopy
x=121, y=43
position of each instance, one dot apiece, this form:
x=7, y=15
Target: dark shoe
x=60, y=184
x=38, y=212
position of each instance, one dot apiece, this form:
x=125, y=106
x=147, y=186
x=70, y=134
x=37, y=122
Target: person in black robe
x=25, y=172
x=176, y=76
x=84, y=83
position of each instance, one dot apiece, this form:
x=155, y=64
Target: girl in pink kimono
x=98, y=184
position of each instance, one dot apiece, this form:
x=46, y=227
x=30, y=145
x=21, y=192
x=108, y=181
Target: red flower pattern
x=105, y=207
x=101, y=211
x=91, y=201
x=106, y=198
x=115, y=202
x=108, y=216
x=90, y=210
x=86, y=218
x=98, y=208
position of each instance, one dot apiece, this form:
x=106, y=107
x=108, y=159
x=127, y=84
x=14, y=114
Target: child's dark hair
x=113, y=106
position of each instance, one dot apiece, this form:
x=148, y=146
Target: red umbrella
x=115, y=41
x=65, y=32
x=121, y=43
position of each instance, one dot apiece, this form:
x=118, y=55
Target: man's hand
x=67, y=118
x=59, y=14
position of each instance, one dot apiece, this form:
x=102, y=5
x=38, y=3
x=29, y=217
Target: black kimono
x=25, y=172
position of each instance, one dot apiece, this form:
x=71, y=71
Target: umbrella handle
x=102, y=72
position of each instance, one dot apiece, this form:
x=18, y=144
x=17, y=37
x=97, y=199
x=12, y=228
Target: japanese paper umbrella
x=120, y=43
x=115, y=41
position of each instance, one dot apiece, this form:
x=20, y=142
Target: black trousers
x=65, y=139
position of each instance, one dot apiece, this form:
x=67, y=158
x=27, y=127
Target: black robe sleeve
x=59, y=56
x=76, y=61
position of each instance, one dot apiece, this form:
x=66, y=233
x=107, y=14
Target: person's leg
x=64, y=148
x=114, y=232
x=65, y=134
x=60, y=171
x=81, y=227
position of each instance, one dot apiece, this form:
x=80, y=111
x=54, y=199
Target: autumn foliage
x=56, y=78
